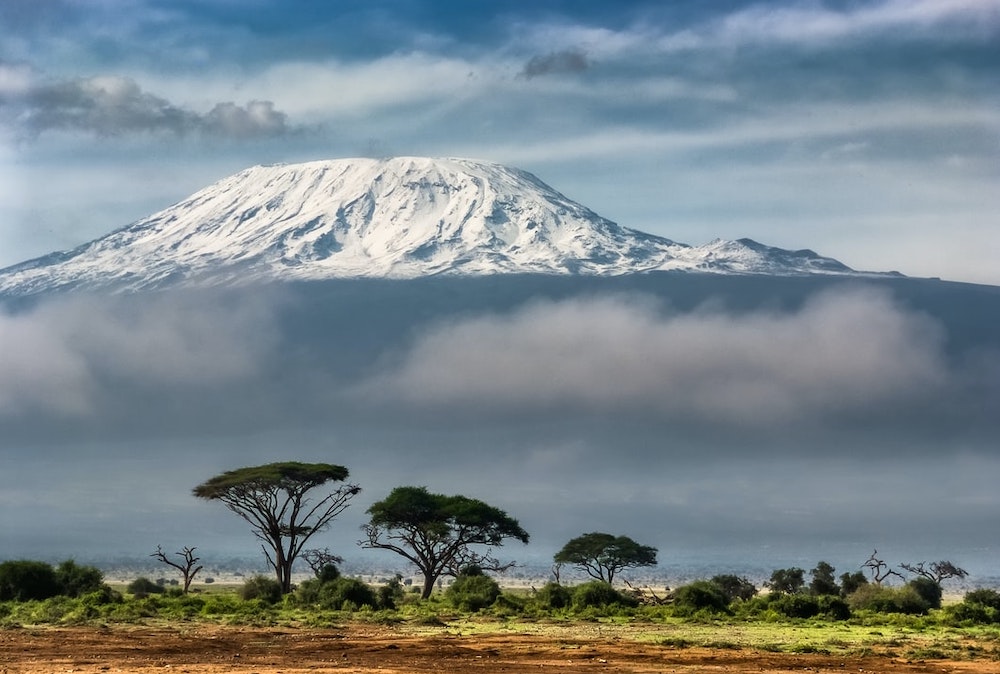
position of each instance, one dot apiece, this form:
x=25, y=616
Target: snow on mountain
x=397, y=218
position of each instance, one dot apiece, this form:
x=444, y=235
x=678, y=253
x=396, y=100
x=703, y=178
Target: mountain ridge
x=402, y=217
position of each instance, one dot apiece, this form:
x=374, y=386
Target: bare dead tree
x=320, y=559
x=186, y=567
x=879, y=569
x=557, y=572
x=936, y=571
x=466, y=558
x=645, y=595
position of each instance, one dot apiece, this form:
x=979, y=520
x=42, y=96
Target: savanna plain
x=218, y=630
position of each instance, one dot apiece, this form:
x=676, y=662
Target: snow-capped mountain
x=397, y=218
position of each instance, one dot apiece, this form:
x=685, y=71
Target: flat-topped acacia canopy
x=273, y=499
x=287, y=475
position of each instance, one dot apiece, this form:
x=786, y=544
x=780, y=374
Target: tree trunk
x=285, y=576
x=428, y=586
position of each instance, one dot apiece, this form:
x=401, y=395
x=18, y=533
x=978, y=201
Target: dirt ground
x=361, y=648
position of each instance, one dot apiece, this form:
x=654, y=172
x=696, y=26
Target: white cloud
x=66, y=356
x=113, y=105
x=851, y=354
x=810, y=22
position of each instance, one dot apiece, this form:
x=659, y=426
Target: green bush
x=734, y=587
x=102, y=597
x=142, y=587
x=23, y=580
x=700, y=595
x=264, y=588
x=554, y=596
x=598, y=594
x=346, y=594
x=328, y=573
x=979, y=607
x=973, y=614
x=833, y=607
x=472, y=592
x=888, y=600
x=928, y=590
x=787, y=581
x=391, y=593
x=795, y=605
x=851, y=582
x=75, y=580
x=340, y=591
x=988, y=598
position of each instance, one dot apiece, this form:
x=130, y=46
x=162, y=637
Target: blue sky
x=866, y=130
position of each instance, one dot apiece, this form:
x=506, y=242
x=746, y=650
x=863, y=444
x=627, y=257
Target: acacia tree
x=787, y=581
x=274, y=500
x=823, y=580
x=936, y=571
x=321, y=561
x=436, y=532
x=602, y=555
x=186, y=567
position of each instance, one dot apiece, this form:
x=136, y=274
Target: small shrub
x=796, y=605
x=23, y=580
x=734, y=587
x=554, y=596
x=75, y=580
x=887, y=600
x=264, y=588
x=307, y=592
x=986, y=597
x=597, y=594
x=472, y=592
x=979, y=607
x=928, y=590
x=346, y=594
x=221, y=604
x=102, y=597
x=143, y=587
x=699, y=595
x=972, y=614
x=833, y=607
x=328, y=573
x=508, y=605
x=391, y=593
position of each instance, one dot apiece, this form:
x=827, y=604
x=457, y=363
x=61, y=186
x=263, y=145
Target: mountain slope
x=397, y=218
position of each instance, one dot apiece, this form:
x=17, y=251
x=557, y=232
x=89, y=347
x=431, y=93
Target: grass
x=911, y=637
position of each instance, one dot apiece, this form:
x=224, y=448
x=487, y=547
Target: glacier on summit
x=403, y=217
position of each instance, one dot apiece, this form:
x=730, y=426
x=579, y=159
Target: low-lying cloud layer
x=715, y=429
x=852, y=354
x=72, y=357
x=846, y=359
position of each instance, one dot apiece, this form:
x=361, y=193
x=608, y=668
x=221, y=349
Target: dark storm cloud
x=567, y=61
x=118, y=106
x=844, y=354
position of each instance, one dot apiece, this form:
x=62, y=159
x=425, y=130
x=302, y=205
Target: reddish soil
x=362, y=648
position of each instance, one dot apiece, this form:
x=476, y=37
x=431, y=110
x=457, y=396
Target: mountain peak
x=399, y=218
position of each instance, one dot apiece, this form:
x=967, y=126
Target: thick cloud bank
x=69, y=357
x=844, y=354
x=733, y=426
